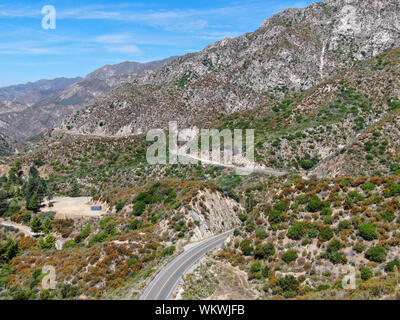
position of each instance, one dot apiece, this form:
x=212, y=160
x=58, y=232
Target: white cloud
x=113, y=38
x=125, y=49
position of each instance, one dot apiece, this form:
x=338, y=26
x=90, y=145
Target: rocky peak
x=293, y=50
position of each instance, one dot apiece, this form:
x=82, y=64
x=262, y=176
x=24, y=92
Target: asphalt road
x=164, y=283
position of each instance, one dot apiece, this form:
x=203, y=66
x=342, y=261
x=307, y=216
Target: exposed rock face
x=295, y=49
x=26, y=110
x=212, y=213
x=6, y=146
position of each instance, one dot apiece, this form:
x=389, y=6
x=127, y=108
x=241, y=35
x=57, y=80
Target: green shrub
x=368, y=186
x=388, y=216
x=135, y=224
x=307, y=164
x=265, y=271
x=281, y=205
x=98, y=238
x=326, y=211
x=237, y=232
x=26, y=218
x=325, y=234
x=390, y=266
x=334, y=245
x=261, y=233
x=314, y=204
x=70, y=245
x=139, y=208
x=275, y=216
x=289, y=256
x=83, y=234
x=250, y=227
x=367, y=231
x=8, y=250
x=302, y=199
x=358, y=248
x=376, y=254
x=333, y=252
x=344, y=225
x=247, y=250
x=366, y=274
x=120, y=205
x=255, y=267
x=289, y=286
x=168, y=251
x=264, y=250
x=297, y=231
x=312, y=233
x=354, y=197
x=328, y=220
x=131, y=261
x=394, y=189
x=242, y=217
x=46, y=243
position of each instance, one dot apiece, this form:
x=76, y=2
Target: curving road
x=22, y=228
x=242, y=169
x=164, y=283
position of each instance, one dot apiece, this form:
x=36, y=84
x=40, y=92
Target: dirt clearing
x=74, y=208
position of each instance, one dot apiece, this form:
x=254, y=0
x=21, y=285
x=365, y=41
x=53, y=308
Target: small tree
x=47, y=225
x=74, y=190
x=8, y=250
x=36, y=224
x=47, y=243
x=3, y=202
x=33, y=203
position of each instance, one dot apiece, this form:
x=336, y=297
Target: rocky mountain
x=26, y=110
x=6, y=146
x=35, y=91
x=125, y=68
x=321, y=88
x=345, y=125
x=292, y=51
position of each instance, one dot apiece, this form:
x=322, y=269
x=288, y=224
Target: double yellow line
x=176, y=270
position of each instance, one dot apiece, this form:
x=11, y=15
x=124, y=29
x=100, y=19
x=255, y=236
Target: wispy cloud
x=125, y=49
x=113, y=38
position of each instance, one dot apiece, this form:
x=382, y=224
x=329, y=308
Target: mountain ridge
x=27, y=110
x=292, y=50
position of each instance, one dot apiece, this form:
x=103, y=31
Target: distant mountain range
x=28, y=109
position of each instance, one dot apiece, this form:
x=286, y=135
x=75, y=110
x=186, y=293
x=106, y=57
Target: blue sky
x=92, y=33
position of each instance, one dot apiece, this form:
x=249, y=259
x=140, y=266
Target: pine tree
x=47, y=225
x=33, y=203
x=36, y=225
x=75, y=190
x=8, y=250
x=3, y=202
x=33, y=172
